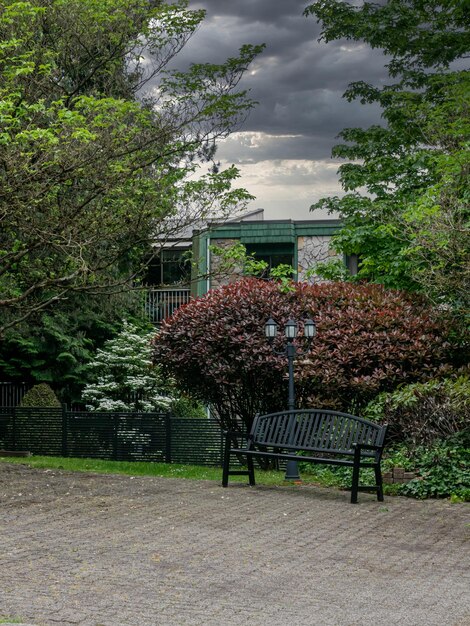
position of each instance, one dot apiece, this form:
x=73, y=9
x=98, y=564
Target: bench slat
x=319, y=430
x=312, y=425
x=337, y=432
x=352, y=433
x=273, y=429
x=344, y=434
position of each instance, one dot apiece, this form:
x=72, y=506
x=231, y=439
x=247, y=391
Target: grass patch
x=10, y=620
x=136, y=468
x=318, y=475
x=118, y=467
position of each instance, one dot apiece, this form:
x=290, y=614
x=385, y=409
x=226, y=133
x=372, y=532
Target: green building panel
x=274, y=235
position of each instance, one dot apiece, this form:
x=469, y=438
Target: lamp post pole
x=290, y=350
x=291, y=353
x=292, y=467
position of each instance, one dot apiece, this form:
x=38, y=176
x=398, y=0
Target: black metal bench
x=322, y=436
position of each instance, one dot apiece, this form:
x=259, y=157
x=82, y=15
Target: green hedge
x=40, y=396
x=423, y=413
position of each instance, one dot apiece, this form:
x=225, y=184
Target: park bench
x=321, y=436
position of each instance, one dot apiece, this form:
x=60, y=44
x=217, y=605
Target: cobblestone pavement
x=108, y=550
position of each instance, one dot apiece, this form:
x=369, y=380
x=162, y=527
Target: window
x=272, y=254
x=170, y=267
x=353, y=263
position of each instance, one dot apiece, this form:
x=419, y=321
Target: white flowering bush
x=122, y=377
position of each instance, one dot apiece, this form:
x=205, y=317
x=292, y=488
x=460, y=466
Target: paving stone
x=108, y=550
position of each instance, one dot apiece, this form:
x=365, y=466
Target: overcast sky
x=284, y=148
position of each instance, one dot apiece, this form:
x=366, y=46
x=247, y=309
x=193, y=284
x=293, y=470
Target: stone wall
x=218, y=275
x=313, y=250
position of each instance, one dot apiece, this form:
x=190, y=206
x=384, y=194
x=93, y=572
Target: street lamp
x=291, y=351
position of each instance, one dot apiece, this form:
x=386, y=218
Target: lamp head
x=291, y=329
x=270, y=329
x=310, y=330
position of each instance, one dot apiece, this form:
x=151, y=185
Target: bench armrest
x=366, y=446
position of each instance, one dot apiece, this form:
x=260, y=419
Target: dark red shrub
x=369, y=340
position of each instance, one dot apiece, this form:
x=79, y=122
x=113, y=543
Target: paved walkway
x=97, y=550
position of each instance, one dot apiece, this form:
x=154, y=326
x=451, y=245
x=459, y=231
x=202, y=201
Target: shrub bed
x=422, y=413
x=369, y=340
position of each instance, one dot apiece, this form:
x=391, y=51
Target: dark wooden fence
x=11, y=394
x=154, y=437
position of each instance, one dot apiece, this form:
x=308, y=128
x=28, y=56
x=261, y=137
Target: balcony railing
x=161, y=303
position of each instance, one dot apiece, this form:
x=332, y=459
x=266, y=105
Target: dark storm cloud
x=265, y=11
x=298, y=82
x=261, y=10
x=252, y=147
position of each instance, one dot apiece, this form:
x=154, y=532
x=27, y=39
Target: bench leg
x=226, y=464
x=378, y=482
x=251, y=470
x=355, y=475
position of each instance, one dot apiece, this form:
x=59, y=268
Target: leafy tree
x=369, y=340
x=59, y=345
x=411, y=225
x=123, y=376
x=97, y=140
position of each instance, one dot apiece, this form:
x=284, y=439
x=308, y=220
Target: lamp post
x=291, y=330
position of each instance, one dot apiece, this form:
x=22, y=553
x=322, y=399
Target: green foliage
x=235, y=260
x=40, y=396
x=396, y=27
x=369, y=340
x=59, y=345
x=334, y=270
x=432, y=420
x=331, y=475
x=283, y=274
x=422, y=413
x=122, y=376
x=185, y=406
x=94, y=167
x=443, y=469
x=411, y=228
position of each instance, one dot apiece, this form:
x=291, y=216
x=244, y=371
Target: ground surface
x=108, y=550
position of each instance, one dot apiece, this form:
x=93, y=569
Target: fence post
x=115, y=436
x=222, y=447
x=167, y=438
x=64, y=430
x=13, y=429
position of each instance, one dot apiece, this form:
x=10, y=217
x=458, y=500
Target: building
x=187, y=266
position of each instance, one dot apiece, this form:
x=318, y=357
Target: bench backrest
x=315, y=430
